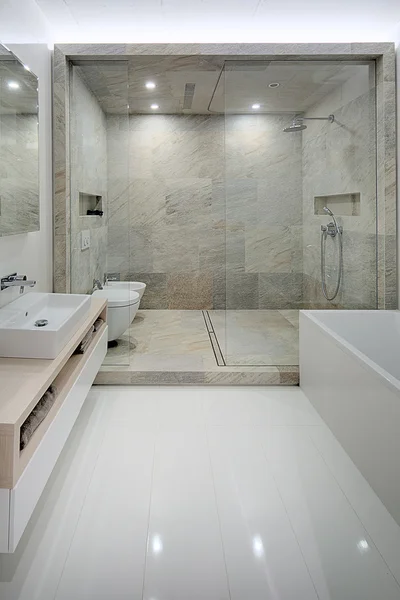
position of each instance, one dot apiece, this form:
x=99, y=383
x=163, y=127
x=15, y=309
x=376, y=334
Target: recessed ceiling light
x=274, y=84
x=154, y=106
x=150, y=85
x=256, y=106
x=13, y=85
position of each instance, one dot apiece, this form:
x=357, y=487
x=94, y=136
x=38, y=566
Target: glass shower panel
x=99, y=133
x=263, y=219
x=277, y=184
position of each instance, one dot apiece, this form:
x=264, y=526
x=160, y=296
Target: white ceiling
x=221, y=20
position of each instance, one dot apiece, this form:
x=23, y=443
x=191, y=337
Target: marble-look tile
x=279, y=194
x=176, y=249
x=19, y=174
x=88, y=132
x=139, y=248
x=156, y=290
x=340, y=158
x=292, y=316
x=166, y=378
x=174, y=346
x=272, y=249
x=241, y=290
x=219, y=290
x=256, y=143
x=189, y=292
x=289, y=375
x=235, y=240
x=255, y=337
x=147, y=202
x=280, y=290
x=188, y=201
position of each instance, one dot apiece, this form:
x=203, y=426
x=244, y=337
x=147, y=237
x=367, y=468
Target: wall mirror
x=19, y=147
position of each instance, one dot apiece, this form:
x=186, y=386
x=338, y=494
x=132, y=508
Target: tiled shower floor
x=193, y=346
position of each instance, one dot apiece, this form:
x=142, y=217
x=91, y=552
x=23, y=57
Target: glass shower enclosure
x=300, y=146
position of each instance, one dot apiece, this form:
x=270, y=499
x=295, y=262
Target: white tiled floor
x=204, y=494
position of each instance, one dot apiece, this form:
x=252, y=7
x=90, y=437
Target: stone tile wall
x=212, y=211
x=340, y=158
x=19, y=174
x=88, y=131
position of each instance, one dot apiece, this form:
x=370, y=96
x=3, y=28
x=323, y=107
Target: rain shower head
x=298, y=122
x=297, y=125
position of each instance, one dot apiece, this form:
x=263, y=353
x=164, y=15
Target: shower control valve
x=331, y=229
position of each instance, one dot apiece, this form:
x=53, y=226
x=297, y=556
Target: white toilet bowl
x=133, y=286
x=122, y=307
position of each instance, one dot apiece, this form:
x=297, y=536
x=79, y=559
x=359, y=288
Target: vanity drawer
x=25, y=495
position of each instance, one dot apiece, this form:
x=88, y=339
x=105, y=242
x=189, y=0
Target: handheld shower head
x=330, y=213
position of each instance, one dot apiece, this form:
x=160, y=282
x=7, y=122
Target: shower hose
x=324, y=235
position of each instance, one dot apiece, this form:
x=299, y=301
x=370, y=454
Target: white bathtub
x=350, y=371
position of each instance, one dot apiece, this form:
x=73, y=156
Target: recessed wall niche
x=345, y=205
x=89, y=204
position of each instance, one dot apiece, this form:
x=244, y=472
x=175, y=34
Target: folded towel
x=98, y=323
x=86, y=340
x=36, y=417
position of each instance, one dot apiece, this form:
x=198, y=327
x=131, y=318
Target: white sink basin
x=21, y=338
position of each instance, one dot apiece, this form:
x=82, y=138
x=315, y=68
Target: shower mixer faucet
x=332, y=228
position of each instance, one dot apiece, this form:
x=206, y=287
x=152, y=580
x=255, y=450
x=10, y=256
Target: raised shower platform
x=170, y=347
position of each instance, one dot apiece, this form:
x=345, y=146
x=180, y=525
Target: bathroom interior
x=199, y=324
x=217, y=181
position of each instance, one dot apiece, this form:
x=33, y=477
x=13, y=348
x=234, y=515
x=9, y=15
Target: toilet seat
x=118, y=298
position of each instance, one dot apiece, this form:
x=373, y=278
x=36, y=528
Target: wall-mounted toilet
x=133, y=286
x=123, y=305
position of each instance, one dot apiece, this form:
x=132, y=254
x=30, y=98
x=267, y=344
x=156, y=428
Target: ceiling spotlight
x=13, y=85
x=256, y=106
x=154, y=106
x=150, y=85
x=274, y=84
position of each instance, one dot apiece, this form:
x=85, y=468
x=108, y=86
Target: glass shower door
x=286, y=160
x=263, y=221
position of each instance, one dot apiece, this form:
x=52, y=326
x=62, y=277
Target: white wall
x=26, y=33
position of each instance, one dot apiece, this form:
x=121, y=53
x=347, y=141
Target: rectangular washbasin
x=59, y=315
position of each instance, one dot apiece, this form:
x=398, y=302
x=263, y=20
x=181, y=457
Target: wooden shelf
x=24, y=381
x=63, y=383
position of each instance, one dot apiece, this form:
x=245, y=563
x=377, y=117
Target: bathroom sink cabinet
x=24, y=474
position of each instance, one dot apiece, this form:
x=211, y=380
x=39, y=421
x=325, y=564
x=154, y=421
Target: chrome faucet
x=15, y=280
x=97, y=285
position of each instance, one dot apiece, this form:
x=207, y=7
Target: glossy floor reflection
x=204, y=493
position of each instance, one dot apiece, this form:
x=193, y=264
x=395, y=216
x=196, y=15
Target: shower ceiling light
x=150, y=85
x=274, y=84
x=154, y=106
x=256, y=106
x=13, y=85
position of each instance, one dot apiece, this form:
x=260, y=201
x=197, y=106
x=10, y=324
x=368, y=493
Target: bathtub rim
x=379, y=372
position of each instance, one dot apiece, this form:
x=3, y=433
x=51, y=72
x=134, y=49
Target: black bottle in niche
x=98, y=213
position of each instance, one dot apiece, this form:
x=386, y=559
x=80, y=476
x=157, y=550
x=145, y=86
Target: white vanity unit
x=23, y=381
